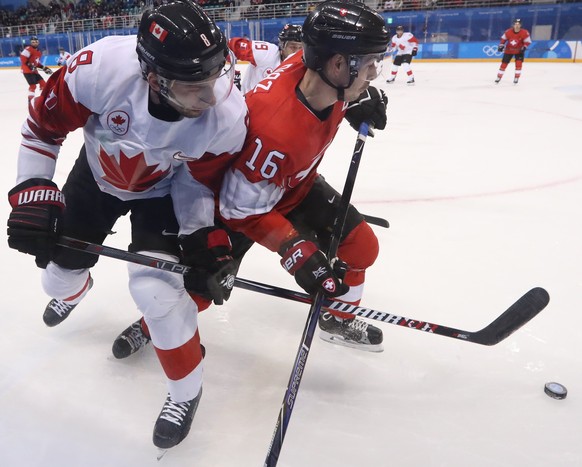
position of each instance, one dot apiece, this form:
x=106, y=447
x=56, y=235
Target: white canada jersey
x=403, y=44
x=131, y=153
x=263, y=58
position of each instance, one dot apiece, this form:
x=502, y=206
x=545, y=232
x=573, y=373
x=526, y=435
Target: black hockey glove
x=523, y=49
x=500, y=48
x=31, y=66
x=414, y=52
x=36, y=219
x=369, y=107
x=47, y=70
x=313, y=272
x=208, y=252
x=237, y=79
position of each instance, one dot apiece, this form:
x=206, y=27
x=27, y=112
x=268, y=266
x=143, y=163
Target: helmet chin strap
x=340, y=89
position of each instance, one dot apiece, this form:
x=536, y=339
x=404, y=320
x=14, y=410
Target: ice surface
x=482, y=185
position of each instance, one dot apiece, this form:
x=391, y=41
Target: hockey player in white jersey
x=406, y=47
x=264, y=57
x=64, y=57
x=144, y=116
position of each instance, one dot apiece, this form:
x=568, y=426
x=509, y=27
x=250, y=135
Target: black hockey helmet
x=33, y=38
x=289, y=33
x=399, y=28
x=342, y=27
x=178, y=41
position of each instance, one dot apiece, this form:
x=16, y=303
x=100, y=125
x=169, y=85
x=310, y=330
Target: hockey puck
x=556, y=390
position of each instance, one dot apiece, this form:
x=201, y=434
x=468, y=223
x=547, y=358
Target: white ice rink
x=482, y=186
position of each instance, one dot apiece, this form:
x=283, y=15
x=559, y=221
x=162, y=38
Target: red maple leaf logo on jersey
x=131, y=173
x=118, y=120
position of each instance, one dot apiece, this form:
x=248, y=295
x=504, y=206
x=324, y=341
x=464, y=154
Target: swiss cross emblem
x=158, y=32
x=118, y=122
x=329, y=285
x=513, y=42
x=343, y=12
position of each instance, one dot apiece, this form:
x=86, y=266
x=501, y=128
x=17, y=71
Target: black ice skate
x=497, y=80
x=391, y=80
x=515, y=80
x=410, y=82
x=58, y=310
x=130, y=341
x=354, y=333
x=174, y=422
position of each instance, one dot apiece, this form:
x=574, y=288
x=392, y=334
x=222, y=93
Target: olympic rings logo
x=491, y=51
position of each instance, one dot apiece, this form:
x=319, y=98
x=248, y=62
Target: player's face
x=290, y=48
x=192, y=98
x=34, y=43
x=516, y=27
x=369, y=68
x=399, y=32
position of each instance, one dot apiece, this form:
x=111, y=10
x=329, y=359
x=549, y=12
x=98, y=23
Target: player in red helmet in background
x=30, y=64
x=514, y=43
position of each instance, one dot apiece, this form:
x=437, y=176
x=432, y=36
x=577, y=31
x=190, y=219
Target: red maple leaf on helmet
x=118, y=120
x=131, y=173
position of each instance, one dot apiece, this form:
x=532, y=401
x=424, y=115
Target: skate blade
x=161, y=453
x=333, y=339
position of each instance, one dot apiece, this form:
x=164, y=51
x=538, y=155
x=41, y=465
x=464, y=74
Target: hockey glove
x=523, y=49
x=500, y=48
x=414, y=52
x=313, y=272
x=208, y=252
x=31, y=67
x=47, y=70
x=369, y=107
x=36, y=219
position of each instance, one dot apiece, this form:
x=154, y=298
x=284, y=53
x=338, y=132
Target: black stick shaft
x=506, y=324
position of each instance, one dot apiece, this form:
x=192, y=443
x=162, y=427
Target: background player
x=64, y=57
x=406, y=47
x=264, y=57
x=514, y=43
x=30, y=64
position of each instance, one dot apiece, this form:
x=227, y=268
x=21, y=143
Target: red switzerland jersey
x=278, y=163
x=514, y=41
x=32, y=56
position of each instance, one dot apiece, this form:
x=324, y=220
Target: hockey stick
x=312, y=318
x=506, y=324
x=376, y=221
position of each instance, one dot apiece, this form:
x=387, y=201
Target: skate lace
x=358, y=325
x=175, y=412
x=136, y=337
x=60, y=307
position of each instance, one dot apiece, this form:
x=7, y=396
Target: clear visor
x=194, y=97
x=368, y=66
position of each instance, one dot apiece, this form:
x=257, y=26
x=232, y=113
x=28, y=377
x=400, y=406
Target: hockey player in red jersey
x=406, y=47
x=514, y=43
x=169, y=103
x=30, y=64
x=264, y=57
x=273, y=194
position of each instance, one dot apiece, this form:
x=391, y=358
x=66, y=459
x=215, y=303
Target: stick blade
x=518, y=314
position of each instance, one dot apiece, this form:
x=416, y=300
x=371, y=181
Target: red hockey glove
x=500, y=48
x=35, y=223
x=414, y=52
x=313, y=272
x=370, y=107
x=208, y=252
